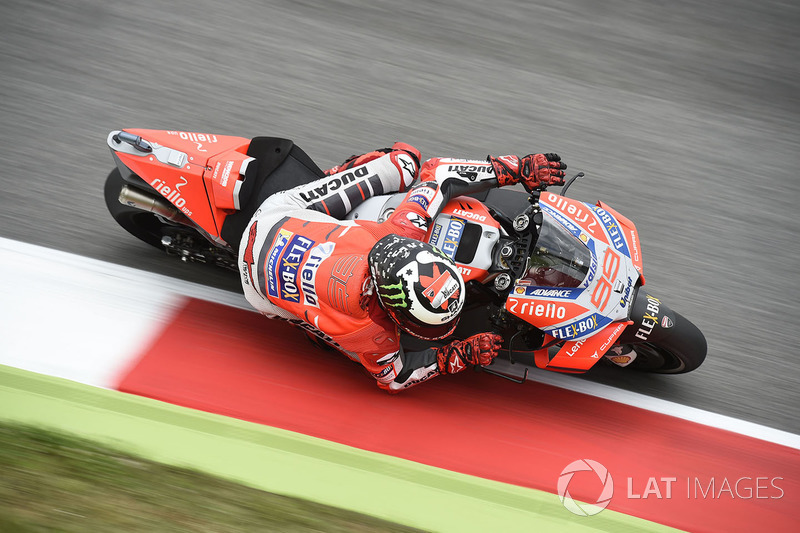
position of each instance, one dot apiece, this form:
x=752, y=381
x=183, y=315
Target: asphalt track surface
x=683, y=115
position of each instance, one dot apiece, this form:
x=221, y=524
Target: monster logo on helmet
x=395, y=297
x=418, y=286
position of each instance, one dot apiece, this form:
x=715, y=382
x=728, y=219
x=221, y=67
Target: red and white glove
x=535, y=171
x=480, y=349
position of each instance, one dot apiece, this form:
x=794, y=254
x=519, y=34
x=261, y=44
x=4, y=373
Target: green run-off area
x=282, y=462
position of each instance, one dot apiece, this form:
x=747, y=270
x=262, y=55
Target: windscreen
x=558, y=258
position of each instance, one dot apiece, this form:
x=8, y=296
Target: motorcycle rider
x=357, y=284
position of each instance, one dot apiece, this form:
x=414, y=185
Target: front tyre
x=682, y=351
x=665, y=341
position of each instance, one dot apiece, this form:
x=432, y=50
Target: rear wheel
x=143, y=225
x=175, y=239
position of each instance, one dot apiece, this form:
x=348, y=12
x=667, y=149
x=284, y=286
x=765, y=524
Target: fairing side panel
x=176, y=168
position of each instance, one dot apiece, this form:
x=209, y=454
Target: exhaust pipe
x=141, y=200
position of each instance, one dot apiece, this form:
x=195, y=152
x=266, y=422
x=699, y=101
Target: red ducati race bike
x=560, y=279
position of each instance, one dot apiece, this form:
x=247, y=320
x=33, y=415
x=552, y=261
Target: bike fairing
x=578, y=226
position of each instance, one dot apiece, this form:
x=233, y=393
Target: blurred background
x=683, y=115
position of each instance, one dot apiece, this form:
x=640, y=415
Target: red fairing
x=187, y=175
x=631, y=235
x=199, y=146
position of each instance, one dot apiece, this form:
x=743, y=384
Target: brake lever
x=570, y=182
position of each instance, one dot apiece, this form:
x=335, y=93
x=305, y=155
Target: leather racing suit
x=301, y=262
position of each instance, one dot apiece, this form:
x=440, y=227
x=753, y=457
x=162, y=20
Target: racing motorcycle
x=560, y=279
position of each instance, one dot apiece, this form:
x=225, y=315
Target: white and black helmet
x=418, y=286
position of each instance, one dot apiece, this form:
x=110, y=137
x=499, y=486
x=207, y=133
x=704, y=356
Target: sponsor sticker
x=650, y=318
x=452, y=237
x=613, y=229
x=417, y=220
x=621, y=360
x=422, y=196
x=471, y=172
x=226, y=173
x=469, y=214
x=564, y=221
x=567, y=294
x=288, y=266
x=275, y=252
x=336, y=182
x=308, y=274
x=386, y=375
x=173, y=194
x=581, y=327
x=437, y=230
x=577, y=212
x=199, y=139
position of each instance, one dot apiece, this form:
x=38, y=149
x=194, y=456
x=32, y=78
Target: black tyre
x=683, y=350
x=141, y=224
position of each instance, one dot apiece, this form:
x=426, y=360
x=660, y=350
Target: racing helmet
x=418, y=286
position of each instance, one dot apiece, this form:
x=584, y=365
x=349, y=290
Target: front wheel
x=682, y=351
x=665, y=341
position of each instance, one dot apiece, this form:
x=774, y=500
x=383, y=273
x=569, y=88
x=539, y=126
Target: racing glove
x=480, y=349
x=534, y=171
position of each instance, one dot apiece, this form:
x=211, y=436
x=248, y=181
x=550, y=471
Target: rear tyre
x=143, y=225
x=682, y=351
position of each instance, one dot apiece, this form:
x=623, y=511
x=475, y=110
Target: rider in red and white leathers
x=301, y=262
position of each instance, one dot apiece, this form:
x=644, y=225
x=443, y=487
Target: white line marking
x=122, y=273
x=79, y=290
x=650, y=403
x=81, y=319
